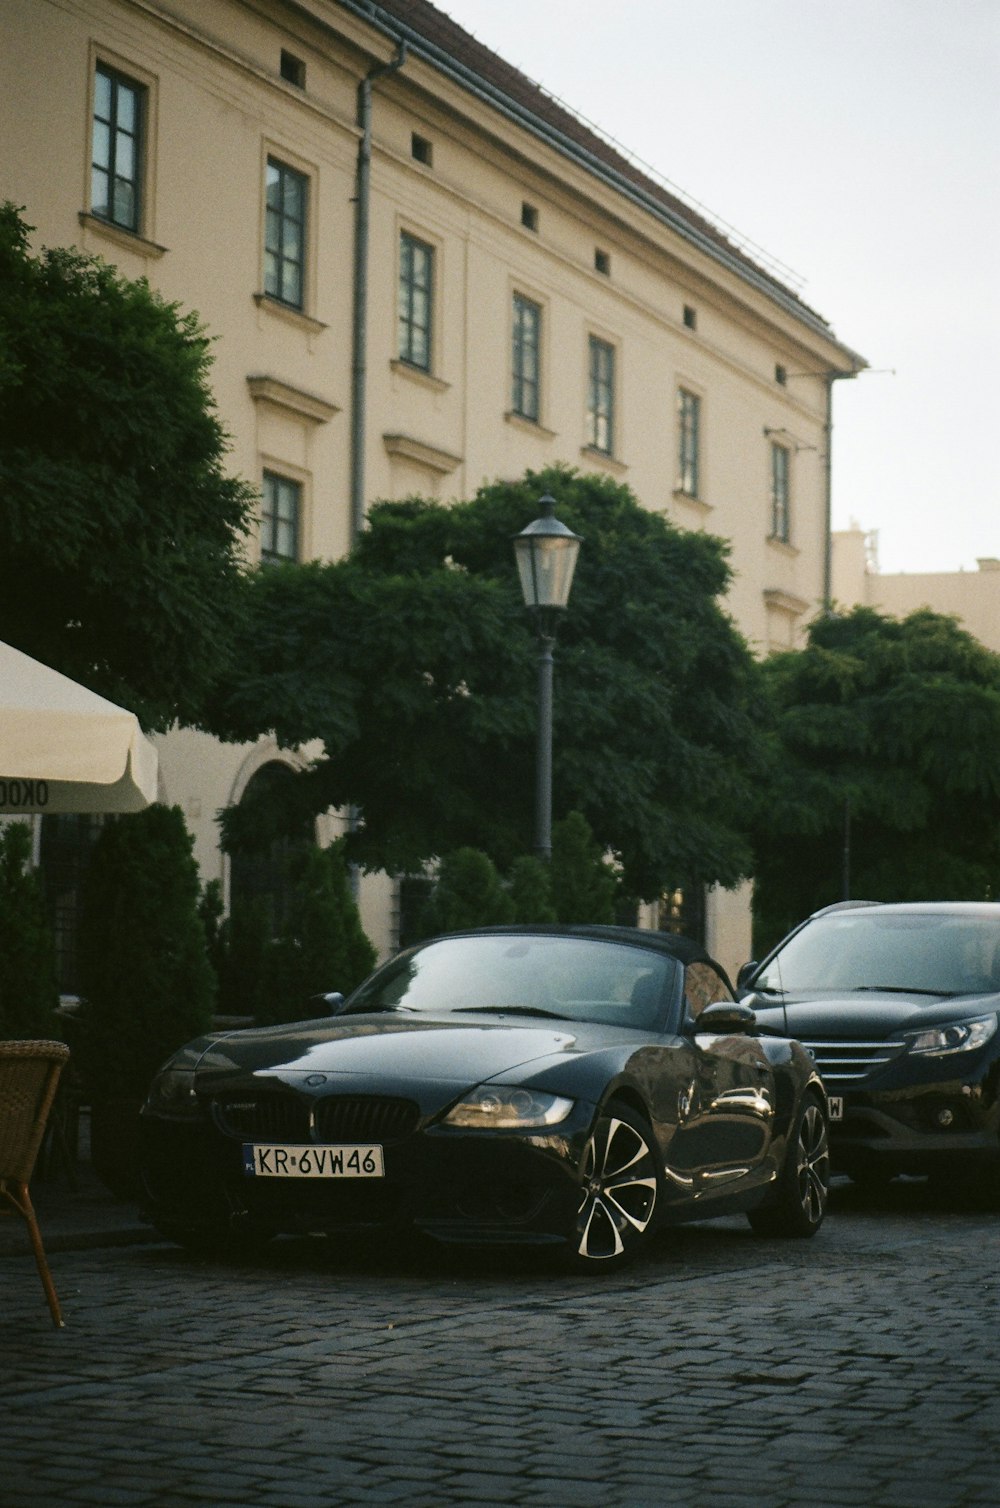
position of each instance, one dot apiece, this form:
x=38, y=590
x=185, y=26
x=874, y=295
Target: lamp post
x=546, y=553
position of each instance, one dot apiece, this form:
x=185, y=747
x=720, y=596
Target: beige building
x=421, y=273
x=973, y=597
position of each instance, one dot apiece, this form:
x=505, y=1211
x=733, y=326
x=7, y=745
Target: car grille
x=847, y=1063
x=362, y=1118
x=336, y=1118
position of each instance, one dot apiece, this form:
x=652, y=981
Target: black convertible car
x=900, y=1008
x=576, y=1086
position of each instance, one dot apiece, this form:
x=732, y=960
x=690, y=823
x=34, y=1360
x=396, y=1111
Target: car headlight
x=496, y=1108
x=960, y=1036
x=172, y=1092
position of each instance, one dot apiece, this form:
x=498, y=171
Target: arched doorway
x=259, y=871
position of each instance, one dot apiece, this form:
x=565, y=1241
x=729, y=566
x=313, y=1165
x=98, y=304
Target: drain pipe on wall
x=359, y=367
x=360, y=333
x=831, y=378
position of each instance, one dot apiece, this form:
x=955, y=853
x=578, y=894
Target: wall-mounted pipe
x=359, y=367
x=831, y=378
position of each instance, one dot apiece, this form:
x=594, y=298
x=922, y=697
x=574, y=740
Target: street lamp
x=546, y=553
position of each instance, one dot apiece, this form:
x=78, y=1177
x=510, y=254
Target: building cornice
x=293, y=400
x=429, y=456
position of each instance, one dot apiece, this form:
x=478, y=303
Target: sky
x=858, y=143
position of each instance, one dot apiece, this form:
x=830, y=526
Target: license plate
x=265, y=1160
x=836, y=1106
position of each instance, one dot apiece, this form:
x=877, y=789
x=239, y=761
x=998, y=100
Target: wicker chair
x=29, y=1076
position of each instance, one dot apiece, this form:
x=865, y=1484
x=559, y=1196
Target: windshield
x=567, y=978
x=931, y=953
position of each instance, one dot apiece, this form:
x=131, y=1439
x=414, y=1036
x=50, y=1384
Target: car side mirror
x=332, y=1004
x=747, y=971
x=725, y=1018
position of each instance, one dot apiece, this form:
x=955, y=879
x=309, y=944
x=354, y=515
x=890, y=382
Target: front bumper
x=455, y=1185
x=924, y=1128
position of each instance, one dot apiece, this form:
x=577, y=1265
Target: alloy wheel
x=619, y=1188
x=813, y=1163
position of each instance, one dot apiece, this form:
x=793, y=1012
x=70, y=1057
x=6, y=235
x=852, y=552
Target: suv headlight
x=958, y=1036
x=502, y=1109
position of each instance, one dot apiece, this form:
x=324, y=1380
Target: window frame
x=415, y=337
x=119, y=79
x=274, y=160
x=689, y=442
x=781, y=492
x=526, y=359
x=601, y=394
x=271, y=520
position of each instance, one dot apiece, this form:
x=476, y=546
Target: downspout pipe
x=831, y=378
x=359, y=367
x=828, y=501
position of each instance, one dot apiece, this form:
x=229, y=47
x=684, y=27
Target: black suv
x=900, y=1007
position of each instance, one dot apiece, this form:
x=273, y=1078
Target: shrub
x=584, y=886
x=469, y=893
x=323, y=946
x=147, y=983
x=530, y=885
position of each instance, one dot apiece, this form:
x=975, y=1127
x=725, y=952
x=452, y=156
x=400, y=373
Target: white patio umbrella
x=65, y=749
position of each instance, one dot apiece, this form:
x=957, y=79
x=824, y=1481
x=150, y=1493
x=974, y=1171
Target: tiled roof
x=457, y=45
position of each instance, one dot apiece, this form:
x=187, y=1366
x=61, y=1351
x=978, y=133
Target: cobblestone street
x=859, y=1369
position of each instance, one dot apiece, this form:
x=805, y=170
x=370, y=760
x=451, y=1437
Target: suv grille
x=335, y=1118
x=843, y=1063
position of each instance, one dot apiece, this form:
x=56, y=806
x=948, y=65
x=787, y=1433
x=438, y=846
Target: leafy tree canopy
x=414, y=661
x=121, y=534
x=886, y=783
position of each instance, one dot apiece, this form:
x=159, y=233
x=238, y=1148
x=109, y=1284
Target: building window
x=781, y=375
x=293, y=70
x=690, y=317
x=526, y=359
x=280, y=515
x=780, y=493
x=422, y=150
x=285, y=234
x=116, y=158
x=529, y=216
x=688, y=442
x=602, y=261
x=416, y=286
x=601, y=396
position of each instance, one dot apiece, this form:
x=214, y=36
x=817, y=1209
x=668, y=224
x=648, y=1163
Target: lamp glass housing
x=546, y=554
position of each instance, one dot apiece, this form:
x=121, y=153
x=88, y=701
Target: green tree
x=242, y=963
x=469, y=893
x=415, y=662
x=584, y=886
x=530, y=885
x=147, y=983
x=29, y=993
x=322, y=946
x=211, y=911
x=121, y=559
x=885, y=781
